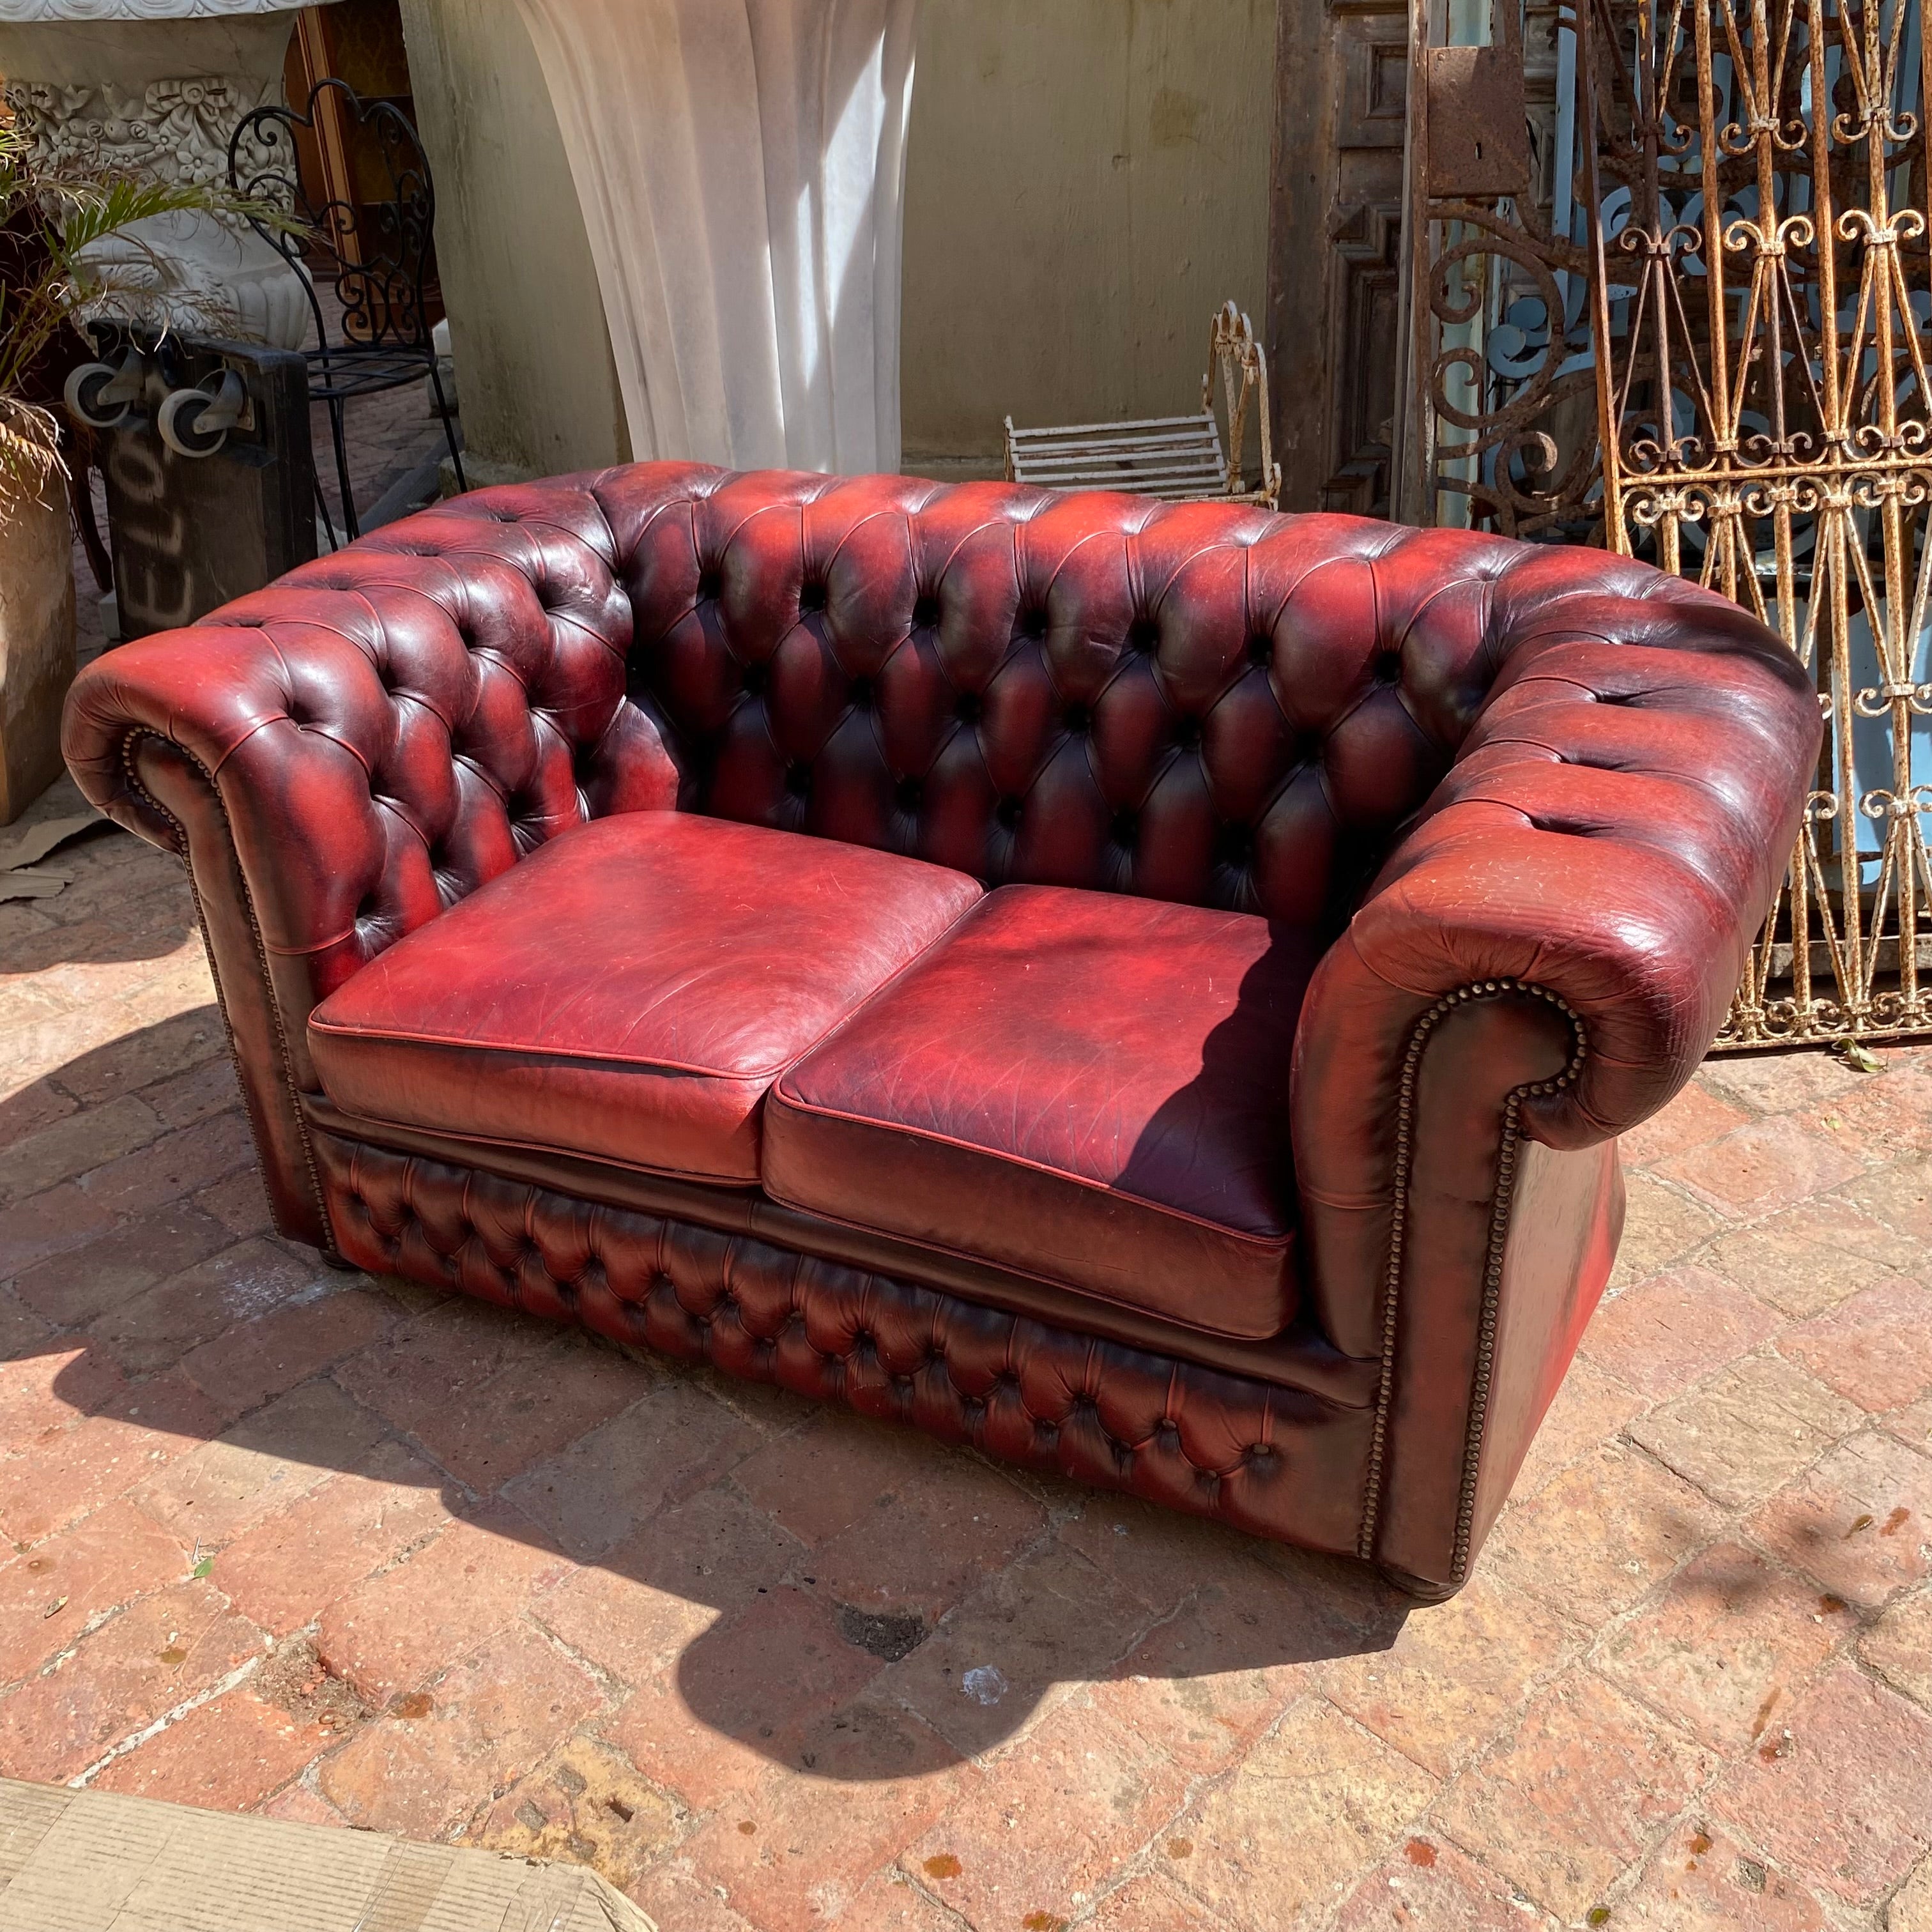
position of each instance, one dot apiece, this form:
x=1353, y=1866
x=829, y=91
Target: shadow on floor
x=857, y=1570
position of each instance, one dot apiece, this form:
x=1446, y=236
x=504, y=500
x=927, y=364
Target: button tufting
x=1009, y=813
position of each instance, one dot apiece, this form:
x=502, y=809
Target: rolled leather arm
x=343, y=755
x=1543, y=959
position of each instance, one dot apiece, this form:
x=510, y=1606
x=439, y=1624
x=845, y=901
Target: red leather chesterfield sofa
x=1150, y=990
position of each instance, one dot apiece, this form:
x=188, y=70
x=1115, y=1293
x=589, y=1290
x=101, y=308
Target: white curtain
x=740, y=165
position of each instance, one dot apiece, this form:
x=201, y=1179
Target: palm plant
x=51, y=214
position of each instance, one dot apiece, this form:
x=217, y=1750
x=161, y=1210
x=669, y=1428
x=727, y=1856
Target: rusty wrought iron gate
x=1692, y=326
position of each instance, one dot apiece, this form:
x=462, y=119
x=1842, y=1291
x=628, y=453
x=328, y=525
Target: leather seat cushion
x=1088, y=1087
x=631, y=990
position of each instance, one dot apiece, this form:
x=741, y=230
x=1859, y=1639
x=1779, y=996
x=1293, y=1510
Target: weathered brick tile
x=178, y=1165
x=51, y=1592
x=221, y=1488
x=1673, y=1330
x=165, y=1650
x=1430, y=1883
x=1773, y=1082
x=1149, y=1903
x=442, y=1754
x=1899, y=1646
x=72, y=1289
x=1875, y=1348
x=1700, y=1113
x=586, y=1805
x=428, y=1370
x=252, y=1362
x=183, y=1098
x=1840, y=1796
x=240, y=1204
x=1576, y=1795
x=305, y=1806
x=1911, y=1907
x=1810, y=1256
x=37, y=1104
x=74, y=1146
x=802, y=1861
x=228, y=1755
x=673, y=1441
x=949, y=1524
x=1282, y=1840
x=1762, y=1166
x=1163, y=1558
x=889, y=1901
x=46, y=1389
x=1728, y=1647
x=1701, y=1880
x=69, y=1468
x=1748, y=1429
x=146, y=1056
x=1055, y=1820
x=1860, y=1522
x=1593, y=1539
x=1913, y=1425
x=674, y=1893
x=52, y=1223
x=1888, y=1116
x=1456, y=1675
x=1662, y=1224
x=22, y=1333
x=538, y=1404
x=745, y=1690
x=1049, y=1620
x=1591, y=1408
x=1203, y=1685
x=667, y=1584
x=1899, y=1196
x=835, y=1472
x=158, y=1327
x=289, y=1568
x=389, y=1633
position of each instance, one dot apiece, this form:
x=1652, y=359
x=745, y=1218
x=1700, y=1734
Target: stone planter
x=37, y=641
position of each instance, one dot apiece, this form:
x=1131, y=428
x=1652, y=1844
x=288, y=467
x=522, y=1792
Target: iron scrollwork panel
x=1762, y=261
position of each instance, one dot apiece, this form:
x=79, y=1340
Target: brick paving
x=345, y=1550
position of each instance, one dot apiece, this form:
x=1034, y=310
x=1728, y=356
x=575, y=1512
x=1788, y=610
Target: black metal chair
x=374, y=253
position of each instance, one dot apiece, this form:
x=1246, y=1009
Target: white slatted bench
x=1177, y=457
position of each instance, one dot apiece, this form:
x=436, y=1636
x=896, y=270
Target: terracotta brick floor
x=280, y=1539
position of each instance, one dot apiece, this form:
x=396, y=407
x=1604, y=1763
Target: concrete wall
x=1086, y=183
x=538, y=390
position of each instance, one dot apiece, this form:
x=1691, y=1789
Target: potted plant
x=54, y=219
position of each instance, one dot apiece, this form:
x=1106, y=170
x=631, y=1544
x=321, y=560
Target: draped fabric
x=739, y=163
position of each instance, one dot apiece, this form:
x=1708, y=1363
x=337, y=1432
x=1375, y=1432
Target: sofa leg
x=1420, y=1587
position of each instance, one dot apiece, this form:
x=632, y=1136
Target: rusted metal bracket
x=1478, y=138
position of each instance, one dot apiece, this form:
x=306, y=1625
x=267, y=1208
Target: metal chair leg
x=448, y=426
x=336, y=431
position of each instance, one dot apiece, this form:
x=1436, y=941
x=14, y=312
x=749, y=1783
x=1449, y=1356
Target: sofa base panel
x=1278, y=1462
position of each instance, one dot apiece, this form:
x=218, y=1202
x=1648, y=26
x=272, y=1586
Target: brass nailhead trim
x=154, y=805
x=1499, y=1221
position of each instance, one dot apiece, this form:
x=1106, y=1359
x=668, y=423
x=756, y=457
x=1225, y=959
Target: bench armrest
x=1540, y=964
x=341, y=756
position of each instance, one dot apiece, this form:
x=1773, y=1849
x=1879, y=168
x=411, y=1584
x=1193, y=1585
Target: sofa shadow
x=870, y=1603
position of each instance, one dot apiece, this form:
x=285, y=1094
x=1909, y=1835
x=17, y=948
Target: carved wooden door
x=1336, y=297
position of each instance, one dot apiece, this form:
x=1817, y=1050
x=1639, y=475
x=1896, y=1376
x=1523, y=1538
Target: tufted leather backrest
x=1193, y=702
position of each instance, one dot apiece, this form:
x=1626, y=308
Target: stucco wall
x=1086, y=183
x=538, y=390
